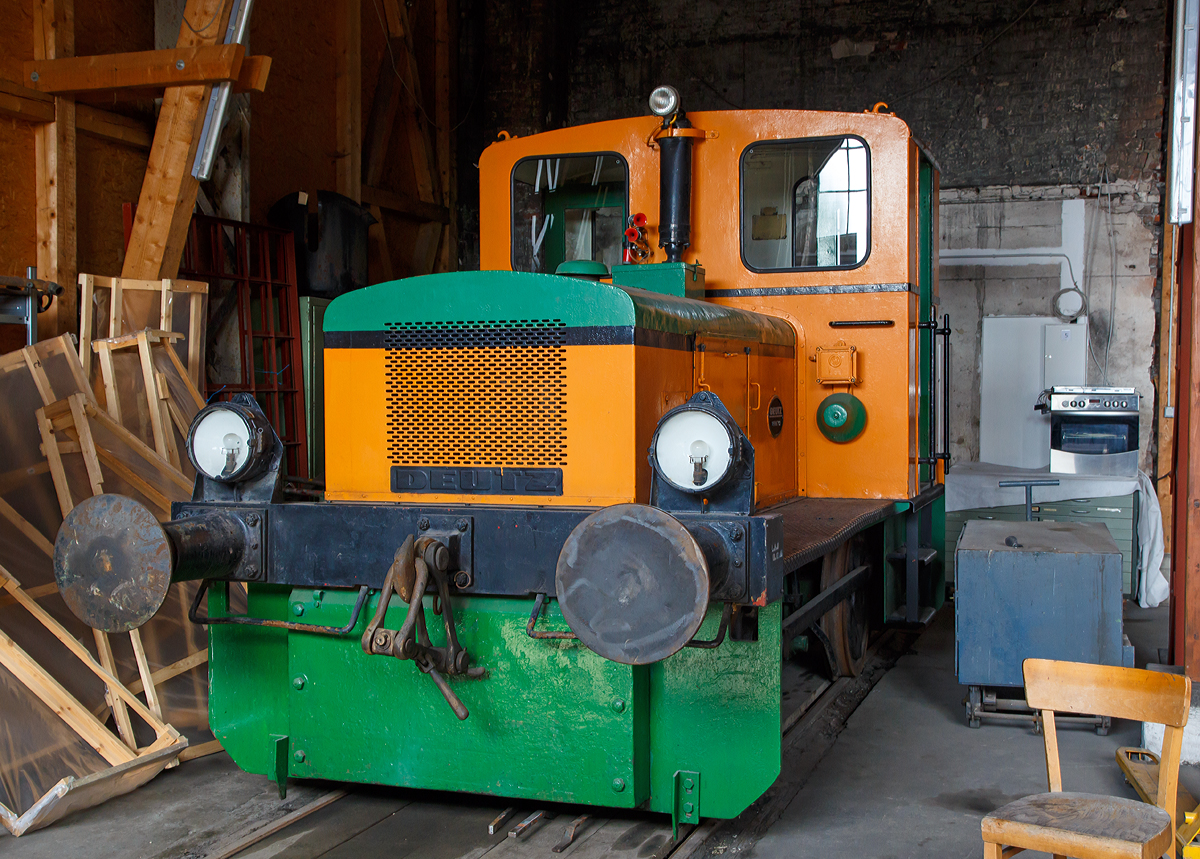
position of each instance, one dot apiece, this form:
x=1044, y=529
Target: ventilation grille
x=477, y=393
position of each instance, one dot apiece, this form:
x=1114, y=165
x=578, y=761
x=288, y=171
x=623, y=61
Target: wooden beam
x=348, y=88
x=421, y=149
x=378, y=136
x=253, y=76
x=445, y=52
x=63, y=703
x=198, y=64
x=54, y=37
x=1188, y=471
x=406, y=206
x=21, y=102
x=113, y=126
x=169, y=190
x=1167, y=326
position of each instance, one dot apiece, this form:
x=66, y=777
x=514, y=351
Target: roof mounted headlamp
x=664, y=101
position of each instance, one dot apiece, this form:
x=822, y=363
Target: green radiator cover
x=551, y=721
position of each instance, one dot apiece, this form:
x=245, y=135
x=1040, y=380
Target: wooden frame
x=168, y=289
x=163, y=411
x=131, y=766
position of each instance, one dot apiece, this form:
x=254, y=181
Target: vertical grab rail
x=934, y=332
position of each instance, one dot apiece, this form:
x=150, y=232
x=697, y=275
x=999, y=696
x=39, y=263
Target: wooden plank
x=87, y=310
x=112, y=401
x=53, y=695
x=196, y=334
x=241, y=840
x=163, y=405
x=147, y=453
x=253, y=76
x=55, y=167
x=1168, y=321
x=348, y=89
x=156, y=415
x=378, y=135
x=197, y=64
x=20, y=102
x=25, y=527
x=162, y=675
x=87, y=445
x=119, y=710
x=445, y=67
x=169, y=190
x=202, y=750
x=34, y=363
x=50, y=450
x=395, y=26
x=152, y=495
x=420, y=144
x=144, y=674
x=377, y=237
x=114, y=127
x=405, y=206
x=13, y=587
x=1188, y=471
x=185, y=374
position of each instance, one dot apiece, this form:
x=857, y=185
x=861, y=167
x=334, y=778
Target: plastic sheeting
x=37, y=748
x=143, y=309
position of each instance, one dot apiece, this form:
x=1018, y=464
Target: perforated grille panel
x=485, y=393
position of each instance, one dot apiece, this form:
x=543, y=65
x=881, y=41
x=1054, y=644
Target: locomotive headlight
x=228, y=441
x=693, y=449
x=664, y=101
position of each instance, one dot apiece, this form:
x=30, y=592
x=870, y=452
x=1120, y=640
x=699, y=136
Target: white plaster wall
x=1012, y=219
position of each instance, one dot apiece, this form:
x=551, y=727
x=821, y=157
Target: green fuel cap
x=841, y=417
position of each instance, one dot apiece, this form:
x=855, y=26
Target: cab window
x=568, y=207
x=806, y=204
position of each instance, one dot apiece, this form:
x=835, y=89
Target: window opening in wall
x=568, y=207
x=806, y=204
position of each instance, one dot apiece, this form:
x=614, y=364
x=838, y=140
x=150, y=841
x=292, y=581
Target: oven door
x=1105, y=444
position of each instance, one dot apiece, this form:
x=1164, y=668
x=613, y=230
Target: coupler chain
x=419, y=563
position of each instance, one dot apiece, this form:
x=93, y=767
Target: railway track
x=358, y=822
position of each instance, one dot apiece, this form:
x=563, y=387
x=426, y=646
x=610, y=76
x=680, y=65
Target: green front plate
x=552, y=721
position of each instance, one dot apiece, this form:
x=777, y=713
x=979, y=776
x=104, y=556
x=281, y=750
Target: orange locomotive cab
x=812, y=217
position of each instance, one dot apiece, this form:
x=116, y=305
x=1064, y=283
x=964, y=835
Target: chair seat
x=1082, y=825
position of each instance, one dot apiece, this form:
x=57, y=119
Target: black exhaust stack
x=675, y=192
x=675, y=175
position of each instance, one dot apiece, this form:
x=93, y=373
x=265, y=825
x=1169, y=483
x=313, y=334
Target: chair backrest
x=1108, y=690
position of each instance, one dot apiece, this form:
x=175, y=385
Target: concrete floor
x=906, y=777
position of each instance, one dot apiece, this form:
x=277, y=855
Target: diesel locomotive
x=581, y=505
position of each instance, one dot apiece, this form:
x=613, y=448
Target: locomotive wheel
x=847, y=624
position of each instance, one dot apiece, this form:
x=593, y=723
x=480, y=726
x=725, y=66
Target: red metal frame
x=259, y=264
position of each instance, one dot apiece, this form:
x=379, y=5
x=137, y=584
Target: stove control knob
x=1107, y=404
x=1124, y=404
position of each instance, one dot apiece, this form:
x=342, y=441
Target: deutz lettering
x=478, y=481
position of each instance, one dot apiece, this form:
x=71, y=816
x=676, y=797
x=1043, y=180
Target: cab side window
x=806, y=204
x=568, y=207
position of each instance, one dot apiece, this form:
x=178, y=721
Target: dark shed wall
x=1004, y=93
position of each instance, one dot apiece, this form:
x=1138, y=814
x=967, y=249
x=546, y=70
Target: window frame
x=512, y=182
x=792, y=203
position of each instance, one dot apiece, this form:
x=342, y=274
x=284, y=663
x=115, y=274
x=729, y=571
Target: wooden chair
x=1087, y=826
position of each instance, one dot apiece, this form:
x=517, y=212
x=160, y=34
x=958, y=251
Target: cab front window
x=568, y=207
x=806, y=204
